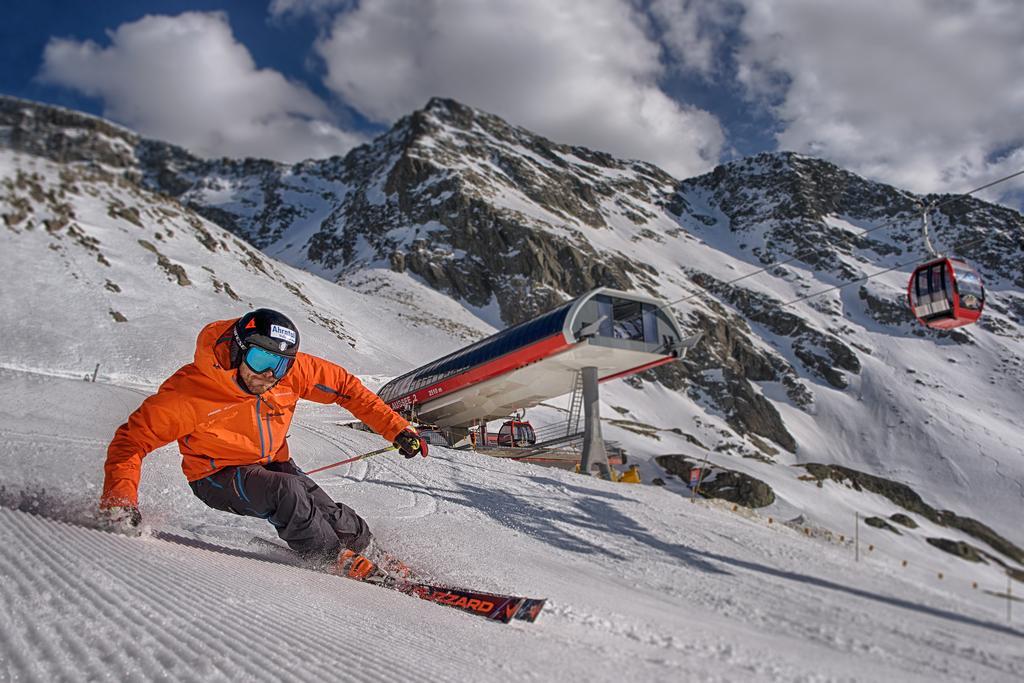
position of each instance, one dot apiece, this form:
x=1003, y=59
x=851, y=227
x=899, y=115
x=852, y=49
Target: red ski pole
x=364, y=456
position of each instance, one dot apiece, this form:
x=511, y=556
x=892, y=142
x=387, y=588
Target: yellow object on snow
x=630, y=476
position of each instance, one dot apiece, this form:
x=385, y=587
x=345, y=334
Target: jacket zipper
x=259, y=426
x=270, y=438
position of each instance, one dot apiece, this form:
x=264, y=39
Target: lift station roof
x=619, y=333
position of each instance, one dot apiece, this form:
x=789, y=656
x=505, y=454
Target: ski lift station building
x=618, y=333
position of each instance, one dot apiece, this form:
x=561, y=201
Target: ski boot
x=372, y=564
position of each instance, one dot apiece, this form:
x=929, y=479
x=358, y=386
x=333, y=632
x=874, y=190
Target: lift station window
x=629, y=320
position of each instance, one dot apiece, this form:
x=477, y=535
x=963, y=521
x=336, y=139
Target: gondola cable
x=868, y=277
x=931, y=207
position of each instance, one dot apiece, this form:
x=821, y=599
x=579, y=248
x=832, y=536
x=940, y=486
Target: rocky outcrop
x=964, y=551
x=491, y=213
x=903, y=520
x=880, y=523
x=65, y=136
x=787, y=196
x=824, y=354
x=719, y=482
x=908, y=499
x=737, y=487
x=442, y=169
x=884, y=310
x=721, y=370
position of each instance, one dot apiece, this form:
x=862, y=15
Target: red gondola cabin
x=516, y=433
x=946, y=293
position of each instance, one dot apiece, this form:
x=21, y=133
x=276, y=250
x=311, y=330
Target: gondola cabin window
x=515, y=433
x=946, y=293
x=970, y=290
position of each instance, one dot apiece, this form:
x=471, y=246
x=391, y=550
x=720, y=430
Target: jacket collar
x=213, y=357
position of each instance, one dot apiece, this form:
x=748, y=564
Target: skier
x=229, y=410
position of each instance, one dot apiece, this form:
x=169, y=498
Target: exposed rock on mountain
x=492, y=214
x=907, y=498
x=792, y=365
x=958, y=548
x=903, y=520
x=719, y=482
x=880, y=523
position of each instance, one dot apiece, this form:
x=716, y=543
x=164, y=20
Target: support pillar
x=593, y=443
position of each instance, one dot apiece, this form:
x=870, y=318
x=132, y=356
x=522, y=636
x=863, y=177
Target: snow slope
x=936, y=413
x=63, y=287
x=642, y=585
x=914, y=407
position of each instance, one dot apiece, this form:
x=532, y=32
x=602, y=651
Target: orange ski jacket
x=218, y=424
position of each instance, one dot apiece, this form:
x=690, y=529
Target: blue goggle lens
x=260, y=360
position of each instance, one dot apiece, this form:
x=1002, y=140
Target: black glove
x=409, y=443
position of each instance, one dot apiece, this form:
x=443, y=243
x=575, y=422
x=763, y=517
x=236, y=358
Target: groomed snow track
x=81, y=604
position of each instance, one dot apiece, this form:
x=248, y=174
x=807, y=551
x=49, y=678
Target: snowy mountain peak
x=456, y=222
x=64, y=135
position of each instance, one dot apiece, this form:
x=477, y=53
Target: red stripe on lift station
x=639, y=368
x=499, y=366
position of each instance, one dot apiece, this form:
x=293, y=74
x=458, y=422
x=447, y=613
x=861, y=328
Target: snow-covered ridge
x=454, y=214
x=89, y=251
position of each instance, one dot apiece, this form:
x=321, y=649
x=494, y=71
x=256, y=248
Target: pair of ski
x=491, y=606
x=500, y=608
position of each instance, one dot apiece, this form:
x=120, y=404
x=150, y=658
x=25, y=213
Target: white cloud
x=924, y=94
x=296, y=8
x=186, y=80
x=581, y=71
x=694, y=30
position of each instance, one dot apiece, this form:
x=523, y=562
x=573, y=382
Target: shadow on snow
x=592, y=512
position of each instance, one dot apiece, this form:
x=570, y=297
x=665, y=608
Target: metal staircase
x=572, y=425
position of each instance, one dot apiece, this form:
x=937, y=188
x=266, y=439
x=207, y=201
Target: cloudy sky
x=924, y=94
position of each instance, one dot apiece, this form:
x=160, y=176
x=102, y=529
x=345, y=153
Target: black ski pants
x=304, y=515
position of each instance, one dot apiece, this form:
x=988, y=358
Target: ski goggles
x=260, y=360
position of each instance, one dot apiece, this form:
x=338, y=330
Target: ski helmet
x=267, y=329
